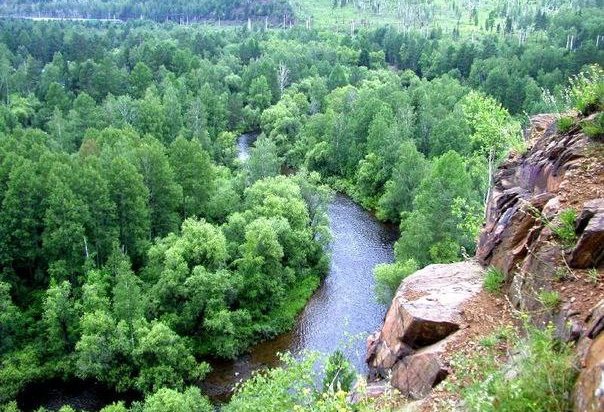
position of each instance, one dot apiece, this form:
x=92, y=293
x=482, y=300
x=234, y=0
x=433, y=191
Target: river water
x=339, y=315
x=342, y=312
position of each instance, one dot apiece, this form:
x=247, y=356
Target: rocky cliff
x=437, y=308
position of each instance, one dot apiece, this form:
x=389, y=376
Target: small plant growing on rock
x=565, y=230
x=549, y=298
x=489, y=341
x=593, y=276
x=565, y=124
x=594, y=128
x=493, y=280
x=560, y=274
x=587, y=90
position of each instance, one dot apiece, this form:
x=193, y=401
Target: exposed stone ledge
x=426, y=310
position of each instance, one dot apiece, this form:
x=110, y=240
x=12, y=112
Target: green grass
x=560, y=274
x=594, y=128
x=565, y=124
x=283, y=317
x=549, y=298
x=593, y=276
x=565, y=230
x=539, y=377
x=493, y=280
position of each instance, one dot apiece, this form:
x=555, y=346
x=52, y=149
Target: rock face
x=523, y=186
x=589, y=250
x=558, y=172
x=426, y=310
x=524, y=208
x=589, y=389
x=521, y=238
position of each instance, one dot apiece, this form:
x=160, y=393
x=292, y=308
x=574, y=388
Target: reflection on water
x=341, y=313
x=244, y=143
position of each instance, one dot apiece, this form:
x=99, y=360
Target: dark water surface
x=341, y=313
x=79, y=394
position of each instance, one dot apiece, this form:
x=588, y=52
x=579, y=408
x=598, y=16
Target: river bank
x=343, y=310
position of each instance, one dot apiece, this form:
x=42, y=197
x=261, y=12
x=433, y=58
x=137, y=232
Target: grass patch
x=565, y=230
x=594, y=128
x=493, y=280
x=549, y=298
x=593, y=276
x=539, y=378
x=560, y=274
x=283, y=317
x=565, y=124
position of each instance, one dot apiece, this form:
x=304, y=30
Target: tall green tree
x=164, y=192
x=430, y=233
x=194, y=172
x=130, y=196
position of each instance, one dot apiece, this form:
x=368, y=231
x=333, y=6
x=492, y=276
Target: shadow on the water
x=85, y=395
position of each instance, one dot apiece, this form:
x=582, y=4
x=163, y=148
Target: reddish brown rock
x=416, y=375
x=589, y=390
x=524, y=187
x=426, y=309
x=595, y=321
x=429, y=301
x=589, y=250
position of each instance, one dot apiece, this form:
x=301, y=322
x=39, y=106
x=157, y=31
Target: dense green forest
x=133, y=243
x=179, y=11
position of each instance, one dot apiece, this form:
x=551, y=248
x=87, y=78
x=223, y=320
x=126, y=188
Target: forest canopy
x=135, y=245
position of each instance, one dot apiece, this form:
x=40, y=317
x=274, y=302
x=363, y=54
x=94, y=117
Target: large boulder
x=427, y=309
x=417, y=374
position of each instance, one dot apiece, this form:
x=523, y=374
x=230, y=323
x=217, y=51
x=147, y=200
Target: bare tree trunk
x=488, y=193
x=282, y=77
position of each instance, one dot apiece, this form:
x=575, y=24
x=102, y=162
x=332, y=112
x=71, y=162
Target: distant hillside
x=460, y=16
x=159, y=10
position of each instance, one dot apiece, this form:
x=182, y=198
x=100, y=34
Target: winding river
x=339, y=315
x=342, y=312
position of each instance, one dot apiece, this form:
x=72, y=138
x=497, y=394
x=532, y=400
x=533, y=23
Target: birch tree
x=493, y=130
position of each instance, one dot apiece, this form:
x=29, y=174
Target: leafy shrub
x=389, y=276
x=594, y=128
x=587, y=90
x=493, y=280
x=565, y=123
x=539, y=378
x=339, y=373
x=169, y=400
x=277, y=389
x=549, y=298
x=565, y=230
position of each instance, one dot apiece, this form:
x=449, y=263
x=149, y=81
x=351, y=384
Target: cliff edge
x=544, y=232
